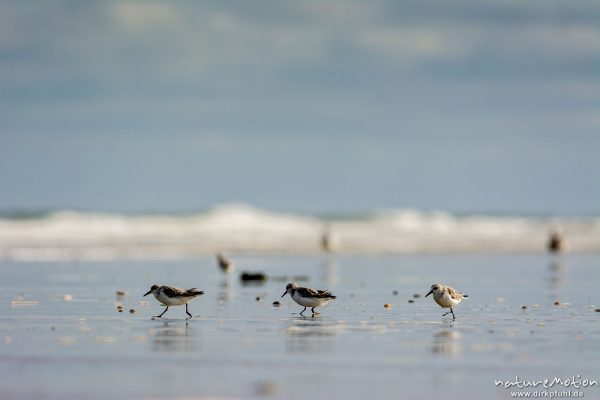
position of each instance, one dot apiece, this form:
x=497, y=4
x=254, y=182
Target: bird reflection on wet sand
x=226, y=293
x=446, y=342
x=310, y=335
x=330, y=276
x=172, y=336
x=556, y=278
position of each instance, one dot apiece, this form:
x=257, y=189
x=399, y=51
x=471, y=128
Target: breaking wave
x=68, y=235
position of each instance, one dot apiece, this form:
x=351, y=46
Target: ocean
x=240, y=228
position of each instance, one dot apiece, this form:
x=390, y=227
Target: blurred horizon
x=334, y=107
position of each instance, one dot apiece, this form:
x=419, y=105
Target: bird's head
x=435, y=289
x=289, y=288
x=153, y=289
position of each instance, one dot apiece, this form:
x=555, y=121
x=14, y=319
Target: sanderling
x=173, y=296
x=329, y=242
x=225, y=263
x=556, y=242
x=446, y=297
x=308, y=297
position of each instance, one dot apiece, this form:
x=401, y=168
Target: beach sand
x=62, y=337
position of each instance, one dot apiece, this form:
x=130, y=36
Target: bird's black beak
x=149, y=291
x=431, y=291
x=284, y=293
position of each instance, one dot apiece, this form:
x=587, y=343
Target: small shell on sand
x=67, y=297
x=276, y=304
x=416, y=295
x=266, y=388
x=23, y=303
x=411, y=301
x=132, y=311
x=387, y=305
x=121, y=293
x=557, y=303
x=524, y=307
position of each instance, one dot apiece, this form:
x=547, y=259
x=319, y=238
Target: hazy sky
x=317, y=106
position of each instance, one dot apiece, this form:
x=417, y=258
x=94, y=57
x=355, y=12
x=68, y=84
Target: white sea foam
x=241, y=228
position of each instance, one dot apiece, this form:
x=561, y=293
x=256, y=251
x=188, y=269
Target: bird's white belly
x=172, y=301
x=310, y=301
x=446, y=301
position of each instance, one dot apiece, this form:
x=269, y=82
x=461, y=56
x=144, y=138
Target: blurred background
x=312, y=106
x=280, y=132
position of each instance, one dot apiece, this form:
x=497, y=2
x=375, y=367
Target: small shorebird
x=556, y=242
x=225, y=263
x=307, y=297
x=329, y=242
x=173, y=296
x=446, y=297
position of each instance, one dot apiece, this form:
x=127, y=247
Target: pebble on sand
x=67, y=297
x=121, y=293
x=411, y=301
x=395, y=293
x=257, y=277
x=387, y=305
x=266, y=388
x=132, y=311
x=524, y=307
x=557, y=303
x=276, y=304
x=597, y=310
x=416, y=295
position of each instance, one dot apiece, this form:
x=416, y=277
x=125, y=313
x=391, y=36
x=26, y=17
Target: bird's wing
x=171, y=291
x=193, y=292
x=455, y=294
x=307, y=292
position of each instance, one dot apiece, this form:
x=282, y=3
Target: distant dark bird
x=329, y=241
x=225, y=263
x=307, y=297
x=173, y=296
x=556, y=243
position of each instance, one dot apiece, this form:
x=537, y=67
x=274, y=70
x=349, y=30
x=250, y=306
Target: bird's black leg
x=446, y=313
x=313, y=310
x=302, y=311
x=453, y=317
x=186, y=311
x=158, y=316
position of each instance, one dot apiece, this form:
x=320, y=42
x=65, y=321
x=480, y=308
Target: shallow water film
x=82, y=330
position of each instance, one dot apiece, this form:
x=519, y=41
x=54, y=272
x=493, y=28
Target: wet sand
x=238, y=347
